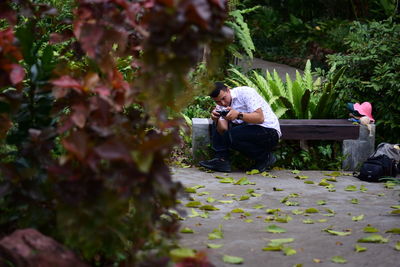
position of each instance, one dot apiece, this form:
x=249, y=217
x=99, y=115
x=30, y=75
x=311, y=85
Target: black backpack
x=377, y=167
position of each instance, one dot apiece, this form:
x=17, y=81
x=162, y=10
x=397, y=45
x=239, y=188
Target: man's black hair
x=218, y=86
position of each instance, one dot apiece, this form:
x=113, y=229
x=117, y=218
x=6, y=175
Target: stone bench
x=358, y=143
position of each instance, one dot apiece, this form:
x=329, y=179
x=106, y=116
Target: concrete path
x=281, y=69
x=245, y=235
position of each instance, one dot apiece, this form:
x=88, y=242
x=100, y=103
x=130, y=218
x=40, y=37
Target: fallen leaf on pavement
x=232, y=259
x=338, y=259
x=275, y=229
x=394, y=231
x=374, y=238
x=370, y=229
x=358, y=218
x=210, y=245
x=187, y=230
x=359, y=248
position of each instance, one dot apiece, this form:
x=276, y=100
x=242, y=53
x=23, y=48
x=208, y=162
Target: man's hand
x=232, y=115
x=214, y=115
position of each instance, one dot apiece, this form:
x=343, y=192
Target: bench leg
x=200, y=137
x=357, y=151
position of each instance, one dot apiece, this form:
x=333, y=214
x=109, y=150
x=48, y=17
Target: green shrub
x=200, y=107
x=321, y=155
x=373, y=75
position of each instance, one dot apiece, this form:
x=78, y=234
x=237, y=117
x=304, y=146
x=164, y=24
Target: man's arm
x=256, y=117
x=222, y=124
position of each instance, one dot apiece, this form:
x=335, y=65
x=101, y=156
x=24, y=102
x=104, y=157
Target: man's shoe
x=266, y=164
x=216, y=164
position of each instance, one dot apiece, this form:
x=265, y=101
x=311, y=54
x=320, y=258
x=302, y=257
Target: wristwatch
x=240, y=116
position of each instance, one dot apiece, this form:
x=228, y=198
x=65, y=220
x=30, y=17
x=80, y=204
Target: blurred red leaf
x=199, y=12
x=89, y=38
x=5, y=125
x=148, y=4
x=11, y=73
x=65, y=125
x=103, y=91
x=56, y=38
x=79, y=114
x=90, y=80
x=168, y=3
x=17, y=74
x=113, y=150
x=77, y=144
x=67, y=82
x=7, y=13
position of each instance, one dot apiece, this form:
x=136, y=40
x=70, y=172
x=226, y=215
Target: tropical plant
x=302, y=98
x=84, y=147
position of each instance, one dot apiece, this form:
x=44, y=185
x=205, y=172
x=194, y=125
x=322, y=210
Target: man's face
x=224, y=98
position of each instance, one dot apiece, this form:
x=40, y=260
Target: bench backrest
x=328, y=129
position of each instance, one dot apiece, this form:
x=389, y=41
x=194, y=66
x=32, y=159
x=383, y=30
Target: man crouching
x=245, y=122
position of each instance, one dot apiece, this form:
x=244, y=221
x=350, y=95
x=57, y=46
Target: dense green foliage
x=292, y=31
x=373, y=63
x=85, y=131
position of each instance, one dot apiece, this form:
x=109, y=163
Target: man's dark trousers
x=254, y=141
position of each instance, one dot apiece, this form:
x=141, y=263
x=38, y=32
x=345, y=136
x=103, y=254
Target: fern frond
x=248, y=10
x=242, y=32
x=297, y=96
x=279, y=83
x=241, y=78
x=273, y=101
x=299, y=79
x=233, y=82
x=280, y=112
x=307, y=77
x=262, y=86
x=233, y=49
x=289, y=85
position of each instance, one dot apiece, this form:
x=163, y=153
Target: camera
x=223, y=112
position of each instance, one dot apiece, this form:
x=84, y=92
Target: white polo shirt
x=246, y=99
